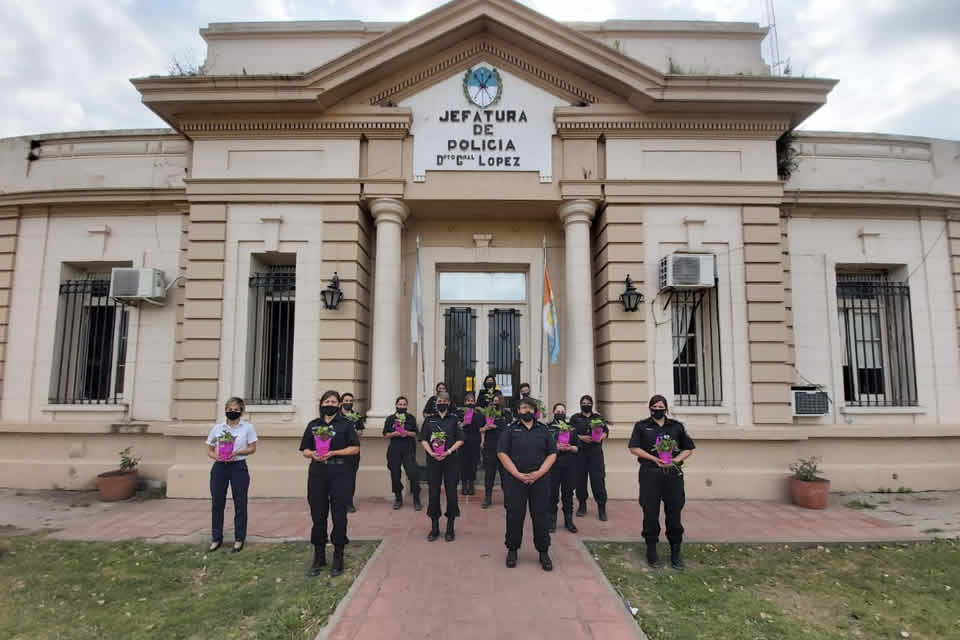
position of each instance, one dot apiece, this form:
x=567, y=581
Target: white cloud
x=67, y=63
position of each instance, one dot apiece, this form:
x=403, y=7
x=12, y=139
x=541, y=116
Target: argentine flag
x=550, y=326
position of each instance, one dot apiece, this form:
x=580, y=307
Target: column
x=389, y=215
x=577, y=322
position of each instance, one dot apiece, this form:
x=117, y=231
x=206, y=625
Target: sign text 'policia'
x=484, y=138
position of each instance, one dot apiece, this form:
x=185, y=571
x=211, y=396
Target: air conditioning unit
x=687, y=271
x=809, y=401
x=137, y=284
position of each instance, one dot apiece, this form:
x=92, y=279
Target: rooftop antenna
x=777, y=66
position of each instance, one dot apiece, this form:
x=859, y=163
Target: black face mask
x=489, y=385
x=329, y=410
x=470, y=404
x=559, y=416
x=401, y=410
x=442, y=408
x=348, y=406
x=234, y=415
x=658, y=414
x=524, y=394
x=526, y=417
x=586, y=408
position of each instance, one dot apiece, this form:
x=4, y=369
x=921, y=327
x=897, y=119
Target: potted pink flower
x=563, y=436
x=321, y=439
x=438, y=441
x=665, y=446
x=398, y=423
x=490, y=414
x=541, y=410
x=596, y=428
x=225, y=446
x=468, y=416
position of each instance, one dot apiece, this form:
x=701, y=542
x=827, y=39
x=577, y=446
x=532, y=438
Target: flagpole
x=542, y=336
x=423, y=373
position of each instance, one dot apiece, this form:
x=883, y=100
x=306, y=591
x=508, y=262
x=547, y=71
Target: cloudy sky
x=66, y=63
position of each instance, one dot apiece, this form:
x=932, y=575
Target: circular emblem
x=482, y=86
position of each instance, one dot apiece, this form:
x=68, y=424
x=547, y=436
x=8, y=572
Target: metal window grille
x=697, y=375
x=504, y=350
x=272, y=310
x=89, y=359
x=459, y=352
x=876, y=336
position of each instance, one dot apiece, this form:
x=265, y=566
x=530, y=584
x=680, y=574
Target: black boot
x=511, y=558
x=450, y=534
x=397, y=501
x=336, y=569
x=652, y=558
x=416, y=502
x=434, y=530
x=553, y=524
x=319, y=559
x=602, y=512
x=487, y=500
x=351, y=508
x=545, y=561
x=568, y=522
x=582, y=509
x=676, y=560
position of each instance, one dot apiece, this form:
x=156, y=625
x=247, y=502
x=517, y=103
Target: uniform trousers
x=563, y=478
x=470, y=453
x=491, y=464
x=658, y=485
x=238, y=477
x=403, y=460
x=590, y=465
x=447, y=472
x=518, y=498
x=328, y=492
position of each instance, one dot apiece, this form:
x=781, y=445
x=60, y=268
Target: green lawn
x=130, y=590
x=786, y=592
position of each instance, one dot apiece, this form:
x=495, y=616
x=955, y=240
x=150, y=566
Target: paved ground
x=935, y=513
x=574, y=601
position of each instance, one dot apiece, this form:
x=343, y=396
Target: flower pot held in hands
x=224, y=450
x=489, y=422
x=468, y=416
x=117, y=485
x=439, y=446
x=322, y=445
x=563, y=438
x=398, y=428
x=811, y=495
x=666, y=456
x=596, y=433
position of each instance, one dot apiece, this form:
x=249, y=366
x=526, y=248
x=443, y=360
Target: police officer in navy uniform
x=346, y=407
x=402, y=453
x=563, y=474
x=329, y=482
x=430, y=408
x=491, y=435
x=527, y=450
x=659, y=481
x=472, y=444
x=590, y=459
x=485, y=397
x=442, y=467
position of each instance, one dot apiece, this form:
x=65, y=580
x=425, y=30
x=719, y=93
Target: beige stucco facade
x=309, y=145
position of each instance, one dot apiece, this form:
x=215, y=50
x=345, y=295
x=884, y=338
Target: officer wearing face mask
x=471, y=421
x=485, y=397
x=442, y=467
x=491, y=435
x=346, y=408
x=430, y=408
x=661, y=482
x=401, y=429
x=590, y=458
x=563, y=475
x=527, y=451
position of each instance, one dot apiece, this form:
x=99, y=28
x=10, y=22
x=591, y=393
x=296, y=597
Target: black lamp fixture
x=631, y=298
x=332, y=295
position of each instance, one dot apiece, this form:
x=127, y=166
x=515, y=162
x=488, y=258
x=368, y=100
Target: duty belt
x=336, y=460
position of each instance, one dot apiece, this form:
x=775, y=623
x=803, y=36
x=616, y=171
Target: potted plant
x=490, y=414
x=321, y=439
x=399, y=420
x=541, y=410
x=225, y=445
x=352, y=416
x=807, y=488
x=665, y=446
x=563, y=436
x=596, y=428
x=121, y=483
x=468, y=416
x=438, y=440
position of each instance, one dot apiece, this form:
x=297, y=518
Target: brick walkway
x=574, y=601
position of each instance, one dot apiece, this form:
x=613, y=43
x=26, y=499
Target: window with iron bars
x=876, y=339
x=90, y=352
x=697, y=375
x=270, y=356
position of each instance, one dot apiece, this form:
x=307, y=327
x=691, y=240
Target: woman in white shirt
x=230, y=469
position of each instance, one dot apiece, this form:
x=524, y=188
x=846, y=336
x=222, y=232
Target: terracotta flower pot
x=117, y=485
x=811, y=495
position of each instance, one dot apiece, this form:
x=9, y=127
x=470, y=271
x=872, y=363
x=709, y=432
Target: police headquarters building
x=148, y=275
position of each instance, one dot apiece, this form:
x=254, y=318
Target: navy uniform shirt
x=527, y=448
x=645, y=433
x=485, y=398
x=449, y=425
x=491, y=437
x=581, y=425
x=344, y=435
x=405, y=443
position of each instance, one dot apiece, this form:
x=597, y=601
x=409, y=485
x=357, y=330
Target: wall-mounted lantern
x=332, y=295
x=631, y=298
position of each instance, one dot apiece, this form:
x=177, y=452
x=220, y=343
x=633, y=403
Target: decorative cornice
x=484, y=47
x=294, y=126
x=765, y=127
x=120, y=196
x=898, y=199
